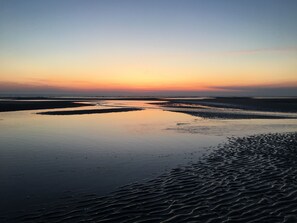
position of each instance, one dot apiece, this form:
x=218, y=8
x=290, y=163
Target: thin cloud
x=288, y=49
x=282, y=89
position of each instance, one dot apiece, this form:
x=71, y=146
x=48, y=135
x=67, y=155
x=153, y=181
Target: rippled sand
x=249, y=179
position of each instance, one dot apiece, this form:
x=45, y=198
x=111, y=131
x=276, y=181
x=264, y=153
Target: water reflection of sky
x=43, y=156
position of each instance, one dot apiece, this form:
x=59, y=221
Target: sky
x=148, y=47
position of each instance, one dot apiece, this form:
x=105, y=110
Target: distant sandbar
x=16, y=105
x=92, y=111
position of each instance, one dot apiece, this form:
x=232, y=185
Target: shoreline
x=212, y=114
x=204, y=107
x=246, y=179
x=11, y=106
x=234, y=108
x=248, y=104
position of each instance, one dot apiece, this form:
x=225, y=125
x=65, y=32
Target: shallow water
x=43, y=158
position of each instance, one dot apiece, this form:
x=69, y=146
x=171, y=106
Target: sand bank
x=12, y=105
x=253, y=104
x=91, y=111
x=249, y=179
x=234, y=108
x=214, y=114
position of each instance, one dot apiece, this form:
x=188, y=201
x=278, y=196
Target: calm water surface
x=43, y=158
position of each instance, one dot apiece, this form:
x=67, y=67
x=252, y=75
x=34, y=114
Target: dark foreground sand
x=90, y=111
x=249, y=179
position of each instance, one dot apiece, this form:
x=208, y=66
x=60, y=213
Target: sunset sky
x=148, y=47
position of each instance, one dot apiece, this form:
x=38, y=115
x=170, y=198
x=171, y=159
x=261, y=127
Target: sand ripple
x=249, y=179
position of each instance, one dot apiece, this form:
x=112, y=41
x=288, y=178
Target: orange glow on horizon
x=148, y=73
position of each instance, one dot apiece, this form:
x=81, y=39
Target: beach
x=249, y=179
x=143, y=111
x=160, y=160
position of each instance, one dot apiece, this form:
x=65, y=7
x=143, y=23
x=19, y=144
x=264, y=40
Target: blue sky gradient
x=51, y=32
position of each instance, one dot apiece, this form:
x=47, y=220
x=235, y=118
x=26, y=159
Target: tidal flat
x=248, y=179
x=162, y=160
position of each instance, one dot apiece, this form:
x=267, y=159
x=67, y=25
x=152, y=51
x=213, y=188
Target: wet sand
x=91, y=111
x=234, y=108
x=213, y=114
x=12, y=105
x=247, y=104
x=253, y=104
x=248, y=179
